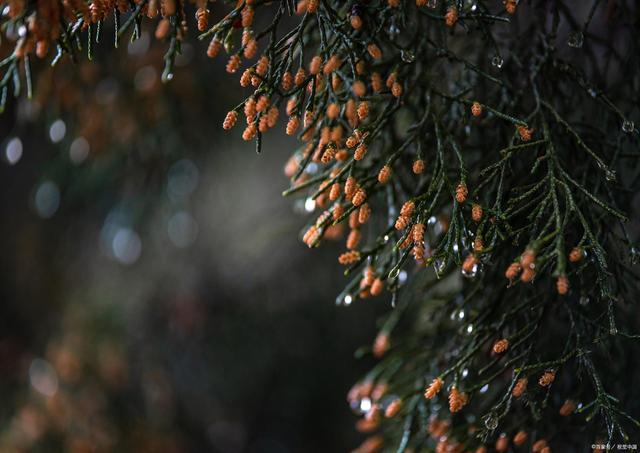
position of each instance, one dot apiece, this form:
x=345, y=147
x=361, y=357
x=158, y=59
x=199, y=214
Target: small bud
x=476, y=109
x=349, y=257
x=393, y=408
x=520, y=438
x=476, y=212
x=547, y=378
x=567, y=408
x=562, y=285
x=230, y=120
x=433, y=388
x=520, y=387
x=576, y=254
x=384, y=175
x=457, y=400
x=451, y=17
x=525, y=133
x=418, y=166
x=461, y=192
x=381, y=344
x=500, y=346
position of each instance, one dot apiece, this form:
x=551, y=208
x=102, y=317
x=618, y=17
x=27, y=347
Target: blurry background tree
x=488, y=139
x=154, y=297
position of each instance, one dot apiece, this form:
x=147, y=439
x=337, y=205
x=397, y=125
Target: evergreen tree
x=482, y=156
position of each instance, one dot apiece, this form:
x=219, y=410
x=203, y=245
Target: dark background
x=126, y=327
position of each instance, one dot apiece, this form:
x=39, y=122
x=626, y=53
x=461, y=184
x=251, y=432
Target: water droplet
x=613, y=330
x=365, y=405
x=470, y=329
x=465, y=372
x=470, y=273
x=592, y=92
x=634, y=255
x=628, y=126
x=497, y=61
x=393, y=31
x=402, y=276
x=491, y=422
x=385, y=238
x=407, y=56
x=484, y=389
x=347, y=300
x=461, y=314
x=576, y=38
x=584, y=300
x=309, y=204
x=432, y=220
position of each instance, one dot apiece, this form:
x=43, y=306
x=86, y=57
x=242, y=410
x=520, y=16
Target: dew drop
x=628, y=126
x=365, y=405
x=407, y=56
x=393, y=273
x=309, y=204
x=394, y=31
x=497, y=61
x=470, y=273
x=575, y=40
x=491, y=421
x=344, y=300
